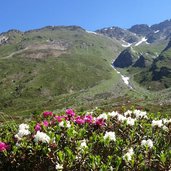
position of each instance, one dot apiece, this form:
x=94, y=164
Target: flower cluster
x=3, y=146
x=157, y=123
x=41, y=136
x=162, y=123
x=110, y=135
x=47, y=113
x=129, y=117
x=95, y=140
x=148, y=143
x=128, y=155
x=70, y=116
x=23, y=131
x=82, y=145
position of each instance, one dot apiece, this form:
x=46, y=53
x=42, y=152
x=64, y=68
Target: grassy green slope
x=31, y=81
x=157, y=76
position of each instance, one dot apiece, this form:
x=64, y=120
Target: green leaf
x=163, y=158
x=61, y=156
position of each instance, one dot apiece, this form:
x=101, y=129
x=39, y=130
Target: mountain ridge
x=57, y=66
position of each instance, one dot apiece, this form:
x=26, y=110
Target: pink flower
x=100, y=122
x=45, y=123
x=70, y=112
x=37, y=127
x=59, y=118
x=79, y=120
x=47, y=113
x=88, y=118
x=3, y=146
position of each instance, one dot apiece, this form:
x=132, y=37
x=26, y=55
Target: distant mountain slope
x=134, y=34
x=153, y=33
x=158, y=76
x=140, y=56
x=59, y=66
x=119, y=33
x=38, y=67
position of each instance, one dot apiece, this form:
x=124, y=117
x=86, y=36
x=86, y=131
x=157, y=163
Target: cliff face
x=125, y=59
x=131, y=58
x=140, y=62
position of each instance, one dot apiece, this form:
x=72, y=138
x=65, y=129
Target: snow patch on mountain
x=126, y=44
x=141, y=41
x=124, y=78
x=156, y=31
x=92, y=32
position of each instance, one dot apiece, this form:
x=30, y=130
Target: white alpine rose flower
x=121, y=118
x=148, y=143
x=140, y=114
x=110, y=135
x=41, y=136
x=113, y=114
x=130, y=121
x=165, y=128
x=23, y=126
x=22, y=131
x=128, y=112
x=128, y=155
x=62, y=124
x=58, y=166
x=82, y=145
x=157, y=123
x=103, y=116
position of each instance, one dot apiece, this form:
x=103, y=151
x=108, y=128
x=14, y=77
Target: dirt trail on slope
x=14, y=53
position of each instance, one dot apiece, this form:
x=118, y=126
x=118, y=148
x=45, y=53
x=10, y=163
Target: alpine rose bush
x=3, y=146
x=94, y=140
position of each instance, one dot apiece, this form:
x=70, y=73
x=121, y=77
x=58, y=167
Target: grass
x=80, y=77
x=29, y=84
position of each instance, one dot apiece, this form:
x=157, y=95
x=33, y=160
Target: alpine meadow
x=78, y=100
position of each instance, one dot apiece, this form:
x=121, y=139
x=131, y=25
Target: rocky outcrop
x=123, y=60
x=159, y=74
x=153, y=33
x=162, y=26
x=119, y=34
x=140, y=62
x=3, y=40
x=141, y=29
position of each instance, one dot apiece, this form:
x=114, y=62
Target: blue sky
x=90, y=14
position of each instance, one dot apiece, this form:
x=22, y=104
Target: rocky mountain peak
x=141, y=29
x=119, y=34
x=161, y=26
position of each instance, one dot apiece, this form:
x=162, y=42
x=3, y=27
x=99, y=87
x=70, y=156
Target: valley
x=85, y=85
x=57, y=67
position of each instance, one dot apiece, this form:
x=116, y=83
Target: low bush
x=129, y=140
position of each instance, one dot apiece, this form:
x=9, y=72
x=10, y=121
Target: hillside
x=147, y=61
x=52, y=66
x=56, y=67
x=158, y=76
